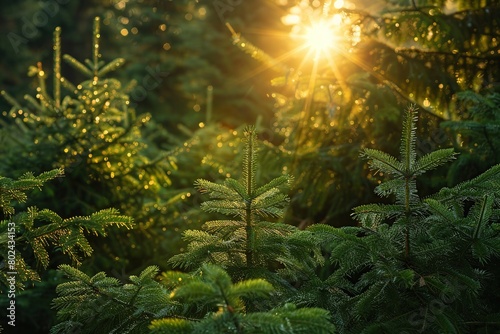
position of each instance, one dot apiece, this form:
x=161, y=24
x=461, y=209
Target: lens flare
x=323, y=35
x=320, y=36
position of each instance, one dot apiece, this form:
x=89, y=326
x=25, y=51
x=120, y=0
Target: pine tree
x=102, y=304
x=418, y=265
x=26, y=32
x=403, y=185
x=90, y=130
x=252, y=243
x=212, y=286
x=425, y=263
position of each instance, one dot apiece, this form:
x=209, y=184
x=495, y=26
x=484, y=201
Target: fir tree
x=212, y=286
x=90, y=130
x=403, y=184
x=418, y=265
x=422, y=264
x=102, y=304
x=251, y=243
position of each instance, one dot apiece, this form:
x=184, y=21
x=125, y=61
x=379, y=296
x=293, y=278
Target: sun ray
x=322, y=40
x=279, y=59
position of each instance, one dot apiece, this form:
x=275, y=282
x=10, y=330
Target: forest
x=237, y=166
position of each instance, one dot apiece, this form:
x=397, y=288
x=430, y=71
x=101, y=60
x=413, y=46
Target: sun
x=320, y=36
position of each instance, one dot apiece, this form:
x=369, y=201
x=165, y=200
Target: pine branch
x=383, y=162
x=473, y=189
x=90, y=304
x=38, y=230
x=433, y=160
x=408, y=139
x=372, y=215
x=15, y=190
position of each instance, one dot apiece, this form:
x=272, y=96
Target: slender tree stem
x=248, y=208
x=407, y=216
x=57, y=67
x=250, y=234
x=96, y=47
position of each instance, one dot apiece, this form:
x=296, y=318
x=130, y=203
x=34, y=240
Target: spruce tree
x=206, y=301
x=213, y=286
x=424, y=263
x=91, y=131
x=251, y=243
x=419, y=264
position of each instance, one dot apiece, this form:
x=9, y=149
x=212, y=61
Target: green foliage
x=402, y=185
x=476, y=134
x=214, y=287
x=208, y=301
x=286, y=319
x=204, y=302
x=185, y=39
x=384, y=54
x=91, y=131
x=38, y=230
x=324, y=116
x=15, y=190
x=419, y=265
x=423, y=263
x=251, y=242
x=432, y=41
x=101, y=304
x=211, y=286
